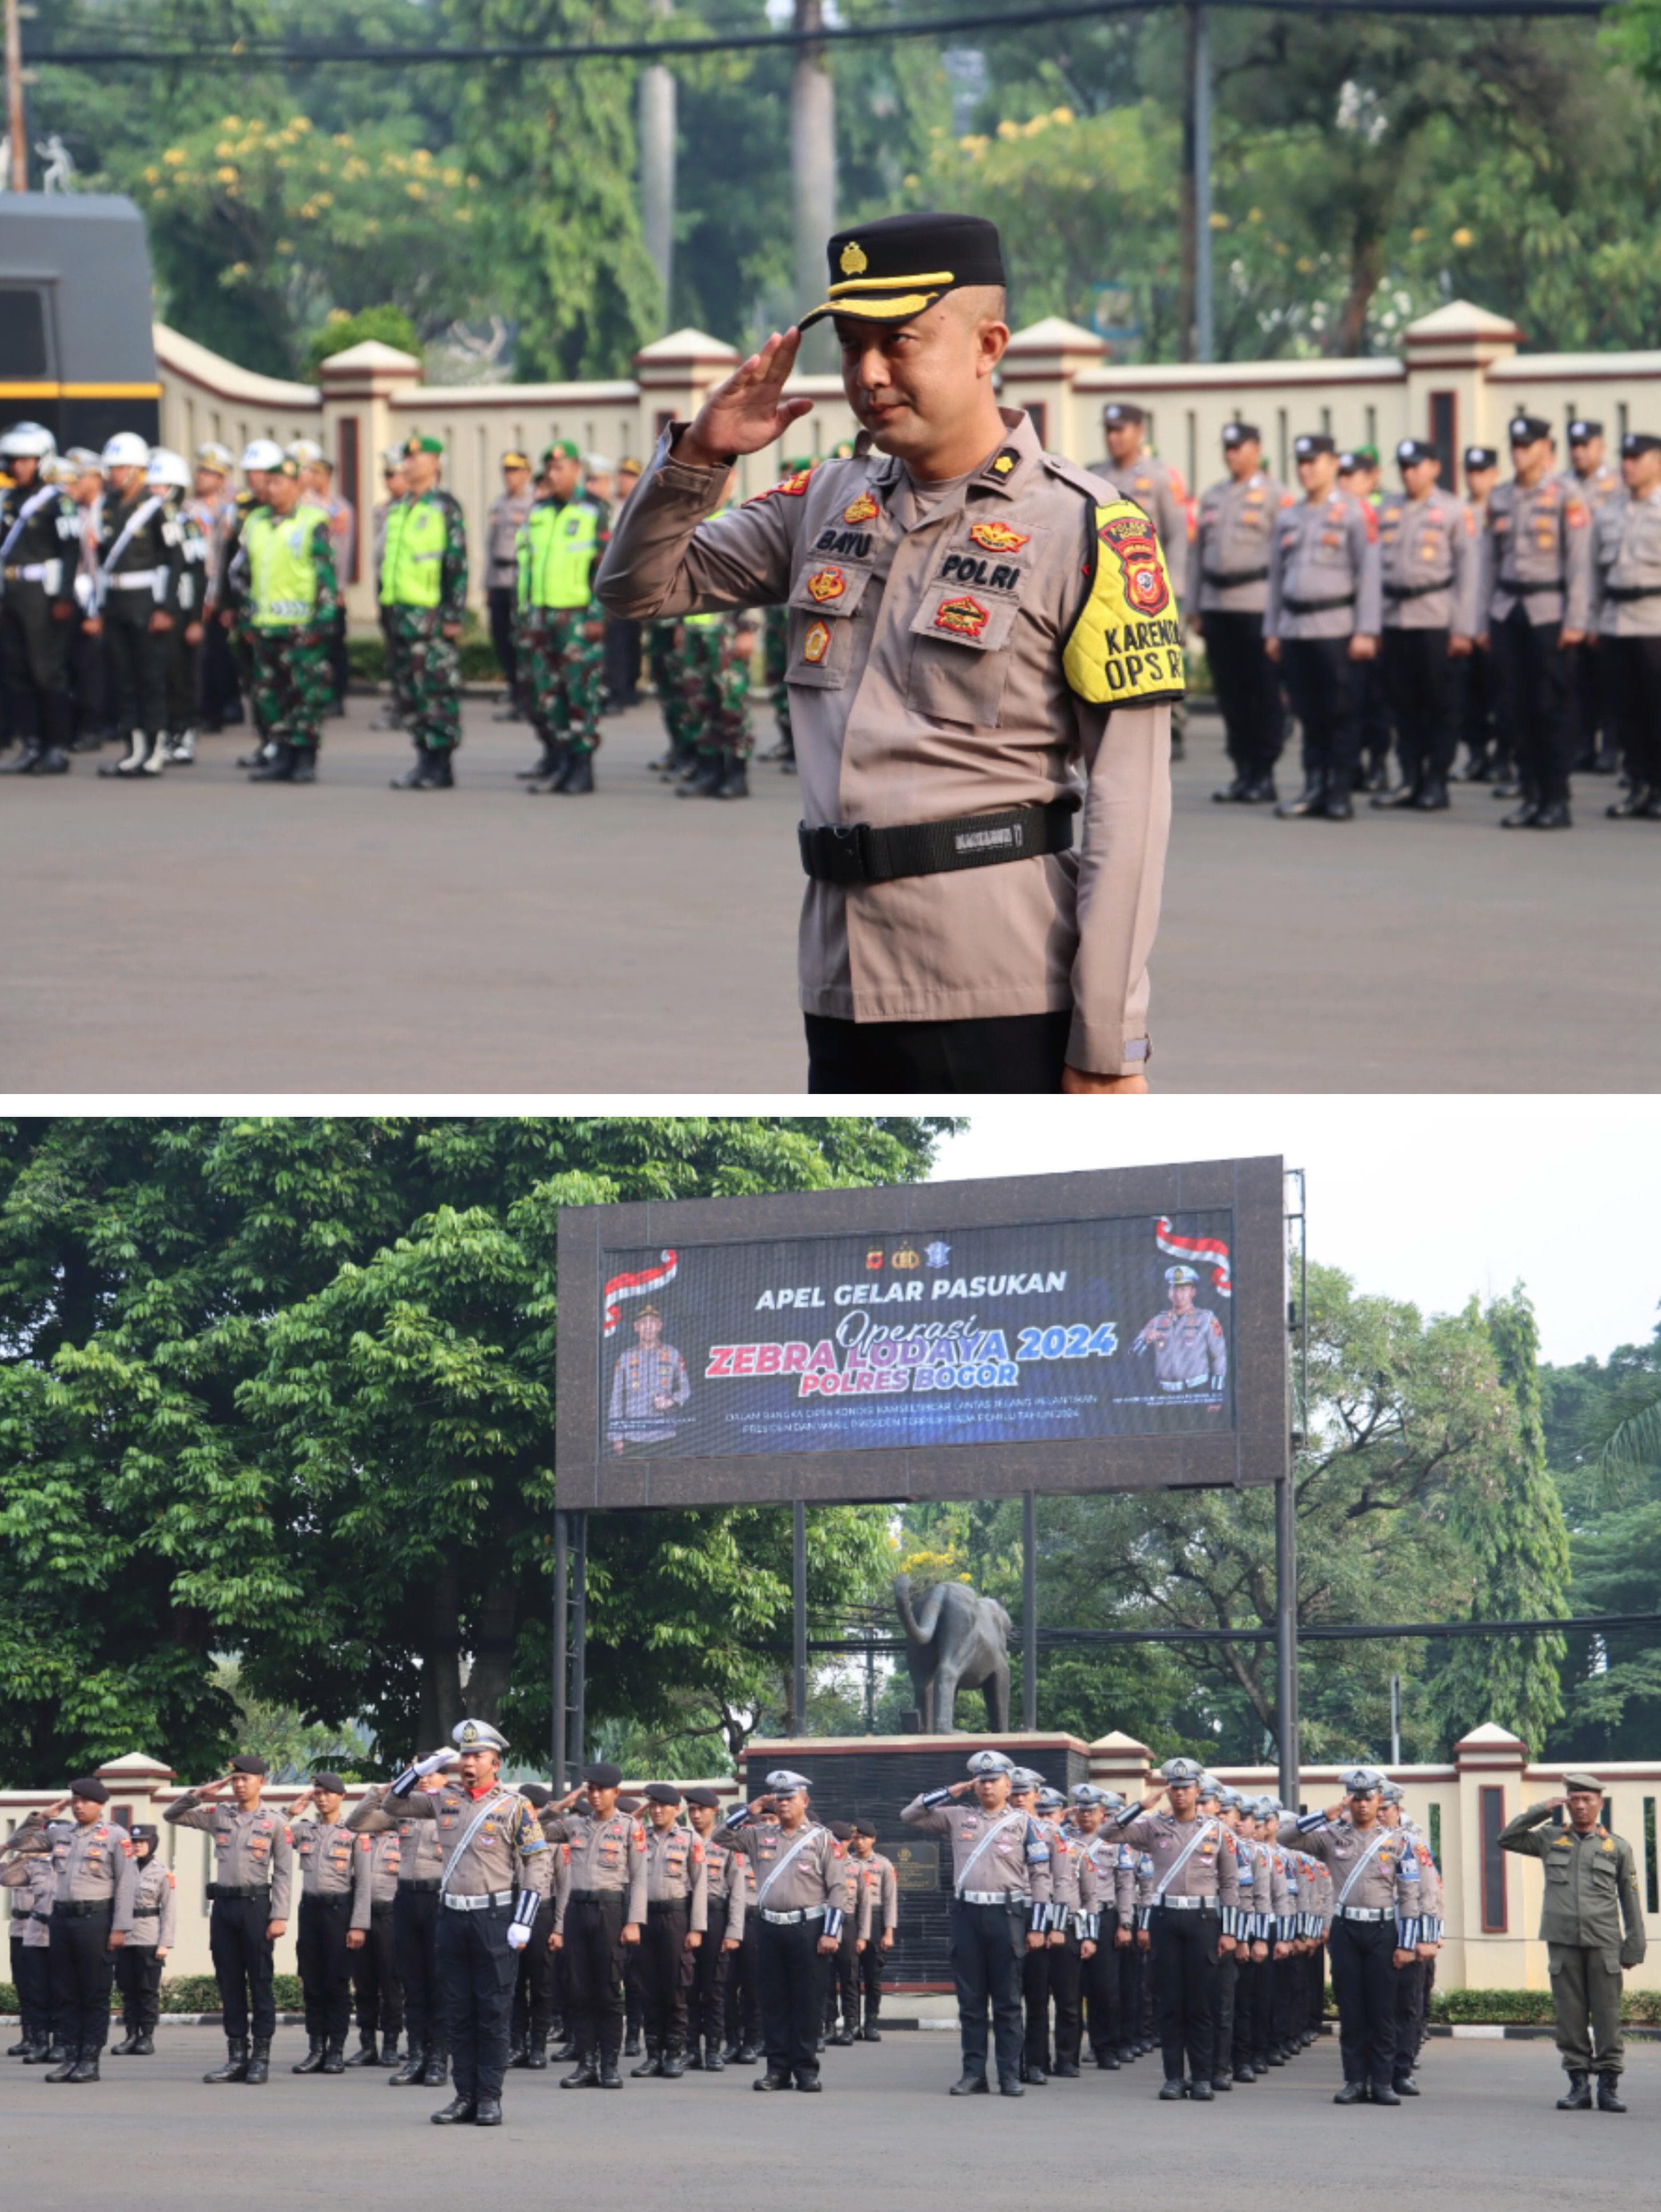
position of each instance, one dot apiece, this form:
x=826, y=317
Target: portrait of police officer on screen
x=1191, y=1352
x=649, y=1382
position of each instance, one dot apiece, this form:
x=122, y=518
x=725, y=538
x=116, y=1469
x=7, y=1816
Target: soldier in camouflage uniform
x=561, y=633
x=663, y=665
x=285, y=571
x=775, y=655
x=423, y=596
x=726, y=651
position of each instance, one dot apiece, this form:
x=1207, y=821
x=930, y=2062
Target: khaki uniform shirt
x=1428, y=551
x=503, y=521
x=250, y=1850
x=1627, y=560
x=381, y=1855
x=1160, y=491
x=1190, y=1350
x=1390, y=1882
x=327, y=1859
x=92, y=1865
x=506, y=1850
x=926, y=683
x=816, y=1875
x=1065, y=1866
x=1602, y=484
x=1592, y=1885
x=421, y=1853
x=1209, y=1870
x=1536, y=554
x=880, y=1896
x=604, y=1856
x=154, y=1906
x=1017, y=1861
x=31, y=1872
x=1228, y=562
x=677, y=1873
x=1324, y=578
x=726, y=1884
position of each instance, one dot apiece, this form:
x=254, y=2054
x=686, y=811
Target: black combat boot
x=313, y=2062
x=305, y=765
x=772, y=2081
x=536, y=2053
x=128, y=2044
x=459, y=2113
x=870, y=2032
x=22, y=762
x=1310, y=800
x=1524, y=817
x=714, y=2058
x=411, y=2071
x=578, y=779
x=1200, y=2091
x=278, y=768
x=488, y=2113
x=1554, y=815
x=1237, y=792
x=236, y=2068
x=705, y=779
x=969, y=2084
x=1433, y=798
x=334, y=2059
x=652, y=2064
x=1630, y=803
x=145, y=2046
x=1382, y=2094
x=259, y=2061
x=22, y=2047
x=735, y=780
x=517, y=2051
x=564, y=2050
x=674, y=2061
x=1172, y=2090
x=841, y=2037
x=436, y=2069
x=65, y=2072
x=586, y=2075
x=695, y=2054
x=366, y=2053
x=85, y=2068
x=550, y=769
x=1353, y=2093
x=1579, y=2096
x=1609, y=2100
x=609, y=2076
x=631, y=2044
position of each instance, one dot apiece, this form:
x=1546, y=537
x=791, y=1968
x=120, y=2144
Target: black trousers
x=1005, y=1053
x=1247, y=1980
x=1632, y=671
x=1222, y=2046
x=791, y=1975
x=137, y=664
x=1364, y=1982
x=623, y=661
x=1373, y=710
x=1321, y=678
x=83, y=1970
x=667, y=1967
x=870, y=1965
x=476, y=1976
x=415, y=1932
x=744, y=1989
x=711, y=1967
x=1184, y=1956
x=31, y=1976
x=1475, y=682
x=1248, y=687
x=500, y=601
x=375, y=1985
x=1099, y=1980
x=138, y=1977
x=35, y=654
x=1533, y=672
x=1589, y=702
x=988, y=1945
x=534, y=1991
x=1066, y=1991
x=89, y=681
x=1410, y=2003
x=242, y=1964
x=841, y=1983
x=183, y=681
x=593, y=1971
x=339, y=663
x=326, y=1965
x=1421, y=679
x=220, y=700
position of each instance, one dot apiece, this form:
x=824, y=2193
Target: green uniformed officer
x=286, y=564
x=561, y=634
x=1592, y=1922
x=423, y=596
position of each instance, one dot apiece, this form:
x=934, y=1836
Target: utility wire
x=1050, y=1639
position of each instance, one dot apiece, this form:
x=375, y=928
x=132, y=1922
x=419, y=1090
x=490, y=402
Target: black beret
x=1527, y=429
x=1481, y=456
x=534, y=1793
x=888, y=271
x=247, y=1762
x=1123, y=410
x=841, y=1830
x=1238, y=433
x=864, y=1828
x=603, y=1775
x=1580, y=430
x=662, y=1793
x=89, y=1785
x=1410, y=450
x=332, y=1782
x=1638, y=441
x=697, y=1795
x=1310, y=443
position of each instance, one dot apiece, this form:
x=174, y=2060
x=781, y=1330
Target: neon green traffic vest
x=557, y=554
x=412, y=563
x=282, y=566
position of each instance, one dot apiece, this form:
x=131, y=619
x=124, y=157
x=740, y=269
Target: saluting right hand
x=748, y=411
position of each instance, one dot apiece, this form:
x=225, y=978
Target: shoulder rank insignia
x=865, y=508
x=792, y=487
x=1003, y=464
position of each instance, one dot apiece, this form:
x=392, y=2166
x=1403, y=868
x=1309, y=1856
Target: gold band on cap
x=871, y=310
x=891, y=283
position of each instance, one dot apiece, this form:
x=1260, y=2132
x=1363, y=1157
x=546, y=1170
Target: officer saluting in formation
x=1377, y=1927
x=1193, y=1917
x=1592, y=1922
x=983, y=643
x=1228, y=589
x=1428, y=549
x=1000, y=1895
x=27, y=1870
x=39, y=559
x=1627, y=544
x=253, y=1873
x=92, y=1914
x=801, y=1879
x=1321, y=617
x=139, y=1961
x=676, y=1926
x=372, y=1940
x=602, y=1912
x=332, y=1877
x=726, y=1880
x=414, y=1923
x=879, y=1918
x=498, y=1867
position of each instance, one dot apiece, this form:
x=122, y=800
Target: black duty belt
x=1226, y=579
x=857, y=853
x=329, y=1897
x=18, y=1918
x=229, y=1892
x=593, y=1896
x=1416, y=591
x=1619, y=593
x=82, y=1908
x=423, y=1887
x=380, y=1911
x=1530, y=590
x=1317, y=606
x=668, y=1903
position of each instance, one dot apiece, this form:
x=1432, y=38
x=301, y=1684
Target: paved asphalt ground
x=200, y=935
x=1482, y=2138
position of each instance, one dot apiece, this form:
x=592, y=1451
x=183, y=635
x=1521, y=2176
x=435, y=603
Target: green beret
x=423, y=442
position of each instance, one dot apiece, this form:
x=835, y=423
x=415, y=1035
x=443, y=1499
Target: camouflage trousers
x=702, y=685
x=663, y=660
x=560, y=670
x=291, y=687
x=425, y=669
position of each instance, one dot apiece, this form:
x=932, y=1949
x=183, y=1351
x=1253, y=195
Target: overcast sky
x=1423, y=1199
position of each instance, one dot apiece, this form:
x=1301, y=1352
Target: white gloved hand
x=518, y=1935
x=433, y=1761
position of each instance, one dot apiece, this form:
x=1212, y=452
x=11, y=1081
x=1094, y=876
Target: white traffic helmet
x=169, y=470
x=125, y=450
x=28, y=441
x=80, y=459
x=262, y=453
x=305, y=450
x=212, y=455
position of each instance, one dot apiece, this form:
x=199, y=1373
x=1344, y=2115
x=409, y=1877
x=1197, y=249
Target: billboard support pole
x=799, y=1614
x=557, y=1764
x=1286, y=1495
x=1029, y=1611
x=580, y=1644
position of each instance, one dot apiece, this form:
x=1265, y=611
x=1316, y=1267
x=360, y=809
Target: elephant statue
x=958, y=1640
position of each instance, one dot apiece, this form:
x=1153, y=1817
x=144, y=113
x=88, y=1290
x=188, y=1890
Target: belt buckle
x=835, y=852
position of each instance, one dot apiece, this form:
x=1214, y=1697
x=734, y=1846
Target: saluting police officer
x=332, y=1876
x=414, y=1924
x=498, y=1867
x=1410, y=1981
x=91, y=1917
x=1376, y=1928
x=139, y=1961
x=1043, y=1969
x=27, y=1870
x=1427, y=551
x=1534, y=601
x=801, y=1883
x=1627, y=536
x=249, y=1894
x=1193, y=1909
x=726, y=1880
x=40, y=550
x=1321, y=621
x=1228, y=592
x=1000, y=1893
x=953, y=659
x=538, y=1962
x=602, y=1913
x=676, y=1926
x=372, y=1940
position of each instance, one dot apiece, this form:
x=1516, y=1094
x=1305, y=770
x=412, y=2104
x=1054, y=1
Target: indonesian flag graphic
x=638, y=1284
x=1201, y=1251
